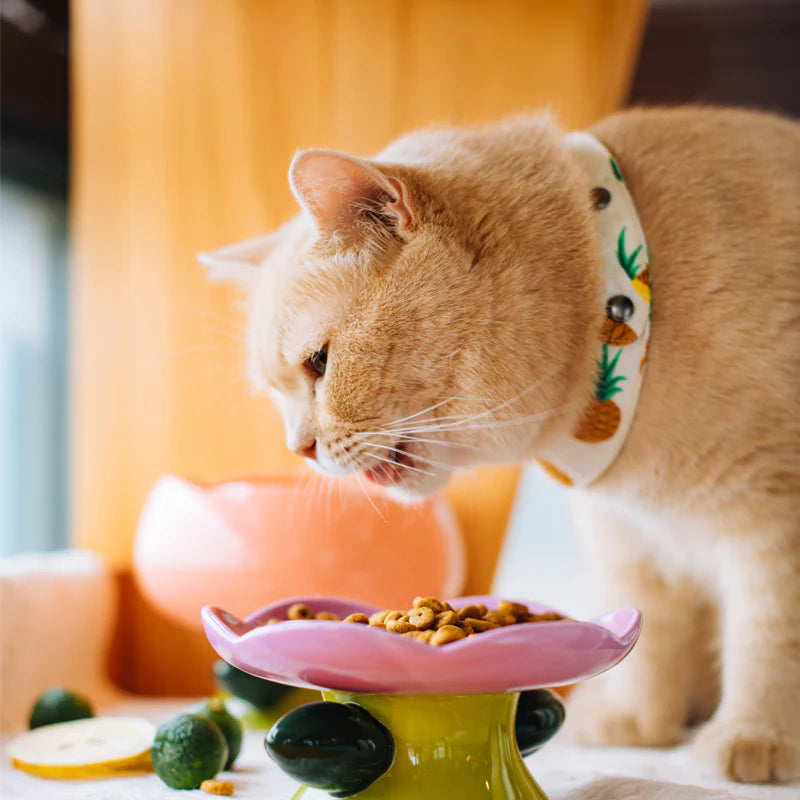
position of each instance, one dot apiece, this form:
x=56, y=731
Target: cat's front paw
x=749, y=752
x=598, y=716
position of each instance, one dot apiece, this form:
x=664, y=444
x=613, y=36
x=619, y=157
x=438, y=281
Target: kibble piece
x=392, y=615
x=299, y=611
x=481, y=625
x=214, y=786
x=449, y=633
x=466, y=627
x=516, y=610
x=499, y=618
x=545, y=616
x=421, y=618
x=360, y=619
x=469, y=611
x=379, y=618
x=401, y=625
x=445, y=618
x=482, y=608
x=429, y=602
x=422, y=636
x=327, y=615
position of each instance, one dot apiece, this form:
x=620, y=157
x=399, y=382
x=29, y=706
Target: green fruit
x=59, y=705
x=338, y=747
x=258, y=691
x=540, y=713
x=187, y=750
x=231, y=728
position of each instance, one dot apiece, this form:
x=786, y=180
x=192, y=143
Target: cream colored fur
x=699, y=521
x=455, y=282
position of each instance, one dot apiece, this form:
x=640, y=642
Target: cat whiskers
x=395, y=435
x=393, y=463
x=357, y=473
x=466, y=424
x=459, y=420
x=414, y=456
x=424, y=410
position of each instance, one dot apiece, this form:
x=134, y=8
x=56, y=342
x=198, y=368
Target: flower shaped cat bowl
x=320, y=654
x=417, y=722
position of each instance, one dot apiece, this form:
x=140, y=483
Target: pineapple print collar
x=584, y=455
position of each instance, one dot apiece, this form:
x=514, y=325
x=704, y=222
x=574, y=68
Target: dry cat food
x=433, y=621
x=217, y=787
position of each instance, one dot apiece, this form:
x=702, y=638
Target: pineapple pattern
x=639, y=275
x=617, y=333
x=602, y=416
x=579, y=458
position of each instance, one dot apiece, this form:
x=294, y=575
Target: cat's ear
x=238, y=263
x=337, y=190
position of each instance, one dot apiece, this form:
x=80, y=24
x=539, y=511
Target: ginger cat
x=437, y=307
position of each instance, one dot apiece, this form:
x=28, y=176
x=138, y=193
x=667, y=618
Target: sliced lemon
x=85, y=748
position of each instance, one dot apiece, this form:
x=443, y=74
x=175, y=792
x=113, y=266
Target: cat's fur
x=460, y=268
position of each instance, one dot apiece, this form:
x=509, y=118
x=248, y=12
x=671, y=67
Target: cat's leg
x=755, y=734
x=646, y=699
x=705, y=680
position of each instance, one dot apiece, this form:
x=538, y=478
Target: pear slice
x=98, y=747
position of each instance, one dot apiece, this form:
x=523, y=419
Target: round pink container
x=243, y=544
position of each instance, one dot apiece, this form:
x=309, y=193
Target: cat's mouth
x=388, y=473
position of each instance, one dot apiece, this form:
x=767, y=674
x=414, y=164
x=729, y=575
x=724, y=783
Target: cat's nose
x=307, y=450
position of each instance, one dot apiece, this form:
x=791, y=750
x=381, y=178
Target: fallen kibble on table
x=214, y=786
x=433, y=621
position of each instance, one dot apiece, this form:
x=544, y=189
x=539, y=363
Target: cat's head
x=419, y=316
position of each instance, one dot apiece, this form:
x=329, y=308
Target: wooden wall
x=186, y=115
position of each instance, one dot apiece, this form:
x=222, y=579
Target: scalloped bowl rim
x=323, y=662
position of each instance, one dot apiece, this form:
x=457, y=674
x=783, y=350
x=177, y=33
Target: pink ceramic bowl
x=356, y=658
x=243, y=544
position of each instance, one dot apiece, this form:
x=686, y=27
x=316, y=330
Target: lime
x=258, y=691
x=188, y=749
x=231, y=728
x=59, y=705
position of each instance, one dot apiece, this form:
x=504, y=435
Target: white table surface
x=564, y=770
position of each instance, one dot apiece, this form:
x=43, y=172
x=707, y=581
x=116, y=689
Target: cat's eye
x=316, y=362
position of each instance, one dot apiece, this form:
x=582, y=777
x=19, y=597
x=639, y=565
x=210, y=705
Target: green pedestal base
x=457, y=746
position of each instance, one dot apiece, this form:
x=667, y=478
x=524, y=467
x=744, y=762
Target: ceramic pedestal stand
x=408, y=721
